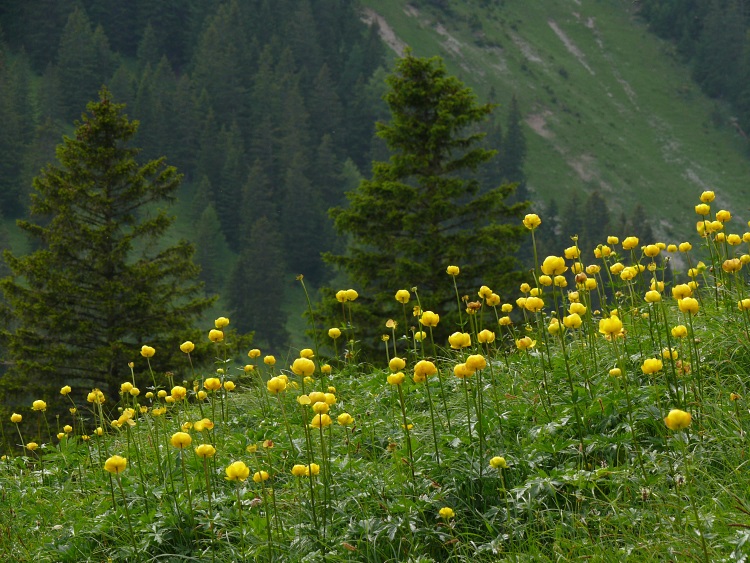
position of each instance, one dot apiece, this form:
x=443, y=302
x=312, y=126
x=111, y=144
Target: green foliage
x=422, y=211
x=99, y=283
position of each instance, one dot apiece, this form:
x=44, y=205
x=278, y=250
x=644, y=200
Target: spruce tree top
x=424, y=209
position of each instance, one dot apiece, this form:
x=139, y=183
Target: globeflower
x=334, y=333
x=486, y=337
x=459, y=340
x=653, y=296
x=269, y=360
x=424, y=368
x=304, y=367
x=147, y=351
x=300, y=470
x=462, y=371
x=15, y=417
x=572, y=321
x=65, y=390
x=396, y=378
x=276, y=385
x=429, y=318
x=403, y=296
x=39, y=405
x=677, y=419
x=651, y=366
x=531, y=221
x=115, y=464
x=688, y=305
x=254, y=353
x=178, y=392
x=723, y=216
x=351, y=295
x=629, y=243
x=215, y=335
x=703, y=209
x=744, y=304
x=260, y=476
x=446, y=513
x=229, y=385
x=397, y=364
x=212, y=384
x=534, y=304
x=707, y=196
x=452, y=270
x=345, y=419
x=681, y=291
x=31, y=446
x=181, y=440
x=525, y=343
x=205, y=451
x=221, y=322
x=554, y=265
x=320, y=421
x=187, y=347
x=237, y=471
x=476, y=362
x=498, y=462
x=611, y=326
x=572, y=252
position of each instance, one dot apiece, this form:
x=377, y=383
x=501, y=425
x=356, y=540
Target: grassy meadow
x=600, y=414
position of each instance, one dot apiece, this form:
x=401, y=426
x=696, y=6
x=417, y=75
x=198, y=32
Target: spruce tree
x=423, y=209
x=102, y=282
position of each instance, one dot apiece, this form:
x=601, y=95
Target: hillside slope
x=607, y=105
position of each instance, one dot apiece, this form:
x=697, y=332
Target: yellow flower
x=396, y=378
x=672, y=248
x=126, y=387
x=476, y=362
x=215, y=335
x=326, y=369
x=545, y=280
x=429, y=318
x=734, y=239
x=572, y=321
x=452, y=270
x=254, y=353
x=15, y=417
x=462, y=371
x=554, y=326
x=734, y=397
x=732, y=265
x=707, y=196
x=446, y=513
x=39, y=405
x=688, y=305
x=743, y=305
x=493, y=300
x=229, y=385
x=723, y=216
x=32, y=446
x=320, y=408
x=703, y=209
x=403, y=296
x=554, y=265
x=611, y=326
x=351, y=295
x=276, y=385
x=572, y=252
x=334, y=333
x=345, y=419
x=221, y=322
x=65, y=390
x=397, y=364
x=147, y=351
x=653, y=296
x=260, y=476
x=306, y=353
x=303, y=367
x=486, y=337
x=613, y=240
x=531, y=221
x=313, y=469
x=459, y=340
x=424, y=368
x=317, y=397
x=677, y=419
x=178, y=392
x=115, y=464
x=237, y=471
x=681, y=291
x=212, y=384
x=629, y=243
x=525, y=288
x=651, y=365
x=205, y=450
x=135, y=391
x=685, y=247
x=341, y=296
x=615, y=372
x=181, y=440
x=330, y=398
x=651, y=250
x=269, y=360
x=300, y=470
x=525, y=343
x=498, y=462
x=187, y=347
x=577, y=308
x=320, y=421
x=666, y=353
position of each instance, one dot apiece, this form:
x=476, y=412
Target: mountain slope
x=607, y=105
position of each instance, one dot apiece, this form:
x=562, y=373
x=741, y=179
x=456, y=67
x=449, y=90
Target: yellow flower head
x=525, y=343
x=429, y=318
x=459, y=340
x=493, y=300
x=32, y=446
x=351, y=295
x=304, y=367
x=229, y=385
x=572, y=252
x=533, y=304
x=237, y=471
x=629, y=243
x=615, y=372
x=115, y=464
x=572, y=321
x=446, y=513
x=681, y=291
x=677, y=419
x=396, y=378
x=317, y=397
x=611, y=326
x=554, y=326
x=651, y=250
x=732, y=265
x=703, y=209
x=215, y=335
x=397, y=364
x=15, y=417
x=205, y=451
x=462, y=371
x=476, y=362
x=320, y=421
x=452, y=270
x=498, y=462
x=403, y=296
x=577, y=308
x=723, y=216
x=187, y=347
x=276, y=385
x=181, y=440
x=320, y=408
x=221, y=322
x=554, y=265
x=424, y=368
x=300, y=470
x=65, y=390
x=531, y=221
x=545, y=280
x=313, y=469
x=147, y=351
x=486, y=337
x=345, y=419
x=651, y=365
x=269, y=360
x=653, y=296
x=126, y=387
x=212, y=384
x=707, y=196
x=688, y=305
x=260, y=476
x=668, y=353
x=178, y=392
x=39, y=405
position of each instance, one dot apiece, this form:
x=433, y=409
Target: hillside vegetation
x=607, y=105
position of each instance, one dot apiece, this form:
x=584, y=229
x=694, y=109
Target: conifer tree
x=101, y=283
x=423, y=210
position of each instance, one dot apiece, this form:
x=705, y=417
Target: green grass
x=625, y=119
x=593, y=472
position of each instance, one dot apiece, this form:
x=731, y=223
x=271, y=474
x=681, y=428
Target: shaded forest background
x=268, y=109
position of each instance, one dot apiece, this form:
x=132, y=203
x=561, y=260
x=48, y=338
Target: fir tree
x=101, y=283
x=422, y=210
